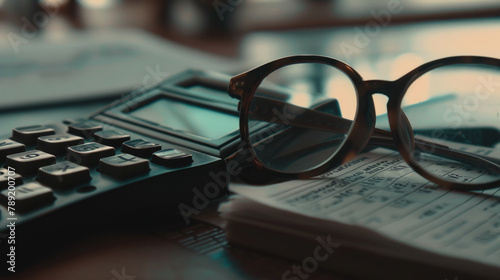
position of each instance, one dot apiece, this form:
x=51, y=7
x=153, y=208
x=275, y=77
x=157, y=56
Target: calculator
x=148, y=154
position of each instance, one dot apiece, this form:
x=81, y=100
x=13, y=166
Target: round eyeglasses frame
x=244, y=86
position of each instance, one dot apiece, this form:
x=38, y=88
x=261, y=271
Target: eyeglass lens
x=292, y=149
x=457, y=106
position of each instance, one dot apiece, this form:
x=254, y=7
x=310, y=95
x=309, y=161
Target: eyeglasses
x=302, y=116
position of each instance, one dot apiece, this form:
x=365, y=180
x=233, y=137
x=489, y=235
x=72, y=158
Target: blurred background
x=56, y=52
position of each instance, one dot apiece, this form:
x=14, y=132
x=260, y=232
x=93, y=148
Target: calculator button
x=5, y=178
x=63, y=174
x=77, y=120
x=89, y=154
x=111, y=137
x=8, y=147
x=28, y=134
x=28, y=162
x=140, y=147
x=30, y=196
x=86, y=129
x=57, y=144
x=172, y=158
x=123, y=166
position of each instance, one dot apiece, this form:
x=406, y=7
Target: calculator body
x=145, y=158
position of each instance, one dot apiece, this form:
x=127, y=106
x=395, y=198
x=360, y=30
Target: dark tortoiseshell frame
x=244, y=86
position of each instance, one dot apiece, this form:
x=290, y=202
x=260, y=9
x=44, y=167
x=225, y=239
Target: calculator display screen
x=177, y=115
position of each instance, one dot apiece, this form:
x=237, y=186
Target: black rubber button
x=85, y=129
x=111, y=137
x=28, y=162
x=63, y=175
x=89, y=154
x=123, y=166
x=58, y=144
x=8, y=147
x=29, y=196
x=172, y=158
x=29, y=134
x=140, y=147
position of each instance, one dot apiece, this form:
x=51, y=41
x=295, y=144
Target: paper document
x=91, y=65
x=378, y=197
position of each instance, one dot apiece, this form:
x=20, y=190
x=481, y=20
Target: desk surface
x=198, y=251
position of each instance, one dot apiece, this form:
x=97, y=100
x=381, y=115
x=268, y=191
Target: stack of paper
x=379, y=208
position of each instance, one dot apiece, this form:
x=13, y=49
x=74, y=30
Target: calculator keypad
x=63, y=174
x=8, y=147
x=62, y=165
x=28, y=162
x=89, y=154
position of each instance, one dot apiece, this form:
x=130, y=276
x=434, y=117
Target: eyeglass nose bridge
x=380, y=86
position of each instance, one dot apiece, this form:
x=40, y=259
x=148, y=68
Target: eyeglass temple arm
x=275, y=111
x=270, y=110
x=443, y=151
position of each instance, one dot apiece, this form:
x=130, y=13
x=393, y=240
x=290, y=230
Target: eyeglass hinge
x=236, y=89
